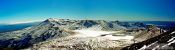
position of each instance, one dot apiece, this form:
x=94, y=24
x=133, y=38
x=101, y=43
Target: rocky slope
x=151, y=31
x=165, y=41
x=28, y=36
x=53, y=28
x=75, y=43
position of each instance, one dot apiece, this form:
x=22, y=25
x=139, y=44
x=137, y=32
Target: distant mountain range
x=14, y=27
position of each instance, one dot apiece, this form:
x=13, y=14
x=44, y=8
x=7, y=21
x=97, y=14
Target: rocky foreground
x=68, y=34
x=165, y=41
x=86, y=42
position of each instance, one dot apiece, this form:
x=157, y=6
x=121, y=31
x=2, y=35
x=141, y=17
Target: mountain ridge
x=57, y=28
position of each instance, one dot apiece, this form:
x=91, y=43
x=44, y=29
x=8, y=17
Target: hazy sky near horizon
x=14, y=11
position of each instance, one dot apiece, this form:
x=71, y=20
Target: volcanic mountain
x=96, y=33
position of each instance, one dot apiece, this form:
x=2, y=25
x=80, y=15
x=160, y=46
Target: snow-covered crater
x=102, y=34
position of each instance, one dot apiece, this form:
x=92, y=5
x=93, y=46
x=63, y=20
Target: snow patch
x=144, y=47
x=152, y=44
x=171, y=39
x=173, y=32
x=171, y=42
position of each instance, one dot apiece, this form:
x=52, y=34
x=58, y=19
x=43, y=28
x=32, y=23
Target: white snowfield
x=97, y=33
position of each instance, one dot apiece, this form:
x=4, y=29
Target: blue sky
x=13, y=11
